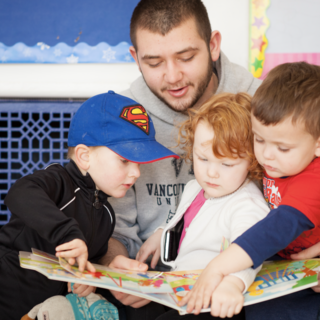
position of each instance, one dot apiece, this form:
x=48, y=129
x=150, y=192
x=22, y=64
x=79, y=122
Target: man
x=181, y=66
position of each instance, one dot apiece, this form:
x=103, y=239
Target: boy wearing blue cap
x=65, y=210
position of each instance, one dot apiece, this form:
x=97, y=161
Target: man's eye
x=187, y=59
x=154, y=65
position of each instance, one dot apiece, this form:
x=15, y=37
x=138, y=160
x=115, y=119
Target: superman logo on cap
x=136, y=115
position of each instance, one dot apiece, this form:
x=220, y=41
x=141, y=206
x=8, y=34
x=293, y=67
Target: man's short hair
x=161, y=16
x=290, y=89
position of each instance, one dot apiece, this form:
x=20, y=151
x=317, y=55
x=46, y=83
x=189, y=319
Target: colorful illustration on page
x=182, y=281
x=282, y=276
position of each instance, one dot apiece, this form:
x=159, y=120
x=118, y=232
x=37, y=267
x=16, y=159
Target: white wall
x=230, y=17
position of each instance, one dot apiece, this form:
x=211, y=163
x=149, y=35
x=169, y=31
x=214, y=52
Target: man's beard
x=181, y=106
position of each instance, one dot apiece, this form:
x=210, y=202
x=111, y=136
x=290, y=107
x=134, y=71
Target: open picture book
x=276, y=278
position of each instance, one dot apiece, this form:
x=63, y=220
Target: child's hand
x=200, y=295
x=231, y=260
x=75, y=250
x=82, y=290
x=227, y=300
x=151, y=246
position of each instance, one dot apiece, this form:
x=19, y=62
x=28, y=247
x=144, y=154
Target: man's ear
x=317, y=151
x=215, y=45
x=82, y=157
x=134, y=54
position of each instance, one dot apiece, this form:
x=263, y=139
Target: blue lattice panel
x=33, y=134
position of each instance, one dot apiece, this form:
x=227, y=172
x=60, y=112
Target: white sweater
x=227, y=217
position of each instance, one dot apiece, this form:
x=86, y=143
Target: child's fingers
x=138, y=256
x=83, y=290
x=69, y=287
x=206, y=300
x=76, y=244
x=238, y=307
x=69, y=245
x=215, y=308
x=90, y=267
x=224, y=309
x=155, y=259
x=70, y=253
x=311, y=252
x=191, y=302
x=142, y=256
x=71, y=261
x=233, y=310
x=82, y=262
x=185, y=299
x=199, y=302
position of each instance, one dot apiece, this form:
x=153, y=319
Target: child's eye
x=228, y=165
x=259, y=140
x=124, y=160
x=283, y=149
x=203, y=159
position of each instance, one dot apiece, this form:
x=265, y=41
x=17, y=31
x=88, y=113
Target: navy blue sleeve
x=273, y=233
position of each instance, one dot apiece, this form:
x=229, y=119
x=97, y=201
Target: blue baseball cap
x=119, y=123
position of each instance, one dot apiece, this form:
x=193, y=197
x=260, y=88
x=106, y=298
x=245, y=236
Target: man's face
x=177, y=67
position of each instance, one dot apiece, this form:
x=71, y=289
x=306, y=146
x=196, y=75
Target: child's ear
x=317, y=151
x=82, y=157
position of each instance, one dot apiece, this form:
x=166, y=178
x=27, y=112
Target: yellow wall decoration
x=258, y=42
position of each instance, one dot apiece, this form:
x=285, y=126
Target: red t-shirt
x=301, y=192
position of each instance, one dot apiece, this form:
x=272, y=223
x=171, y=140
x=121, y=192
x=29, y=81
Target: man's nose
x=173, y=74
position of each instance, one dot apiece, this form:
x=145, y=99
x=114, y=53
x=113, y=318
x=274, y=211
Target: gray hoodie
x=153, y=200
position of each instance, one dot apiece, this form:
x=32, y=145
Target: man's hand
x=121, y=262
x=151, y=247
x=82, y=290
x=312, y=252
x=75, y=250
x=115, y=248
x=227, y=300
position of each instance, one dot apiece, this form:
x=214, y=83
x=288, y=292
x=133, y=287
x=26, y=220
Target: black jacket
x=50, y=207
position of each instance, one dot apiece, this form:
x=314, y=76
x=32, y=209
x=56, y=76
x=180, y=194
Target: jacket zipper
x=97, y=205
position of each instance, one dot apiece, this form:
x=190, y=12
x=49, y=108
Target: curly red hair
x=229, y=115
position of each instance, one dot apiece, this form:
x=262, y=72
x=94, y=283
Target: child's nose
x=267, y=152
x=213, y=172
x=135, y=170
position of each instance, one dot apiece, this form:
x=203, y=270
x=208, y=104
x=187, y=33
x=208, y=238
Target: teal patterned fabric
x=99, y=310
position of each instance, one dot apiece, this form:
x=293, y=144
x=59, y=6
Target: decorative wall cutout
x=32, y=135
x=283, y=31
